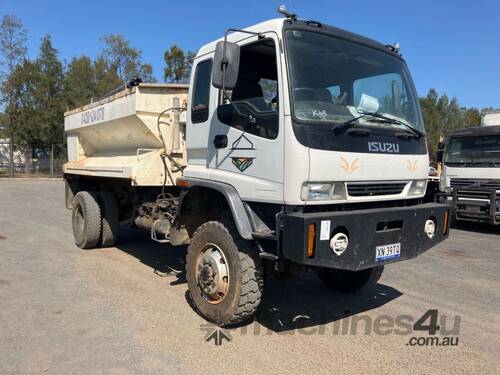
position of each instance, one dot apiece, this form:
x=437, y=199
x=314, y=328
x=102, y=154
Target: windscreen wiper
x=380, y=116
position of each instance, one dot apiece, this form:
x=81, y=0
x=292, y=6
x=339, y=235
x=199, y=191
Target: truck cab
x=318, y=120
x=298, y=81
x=471, y=174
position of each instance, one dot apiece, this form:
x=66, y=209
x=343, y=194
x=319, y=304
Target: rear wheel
x=86, y=220
x=350, y=281
x=224, y=274
x=110, y=218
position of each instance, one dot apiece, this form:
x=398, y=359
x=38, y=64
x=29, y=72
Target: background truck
x=297, y=146
x=470, y=179
x=490, y=118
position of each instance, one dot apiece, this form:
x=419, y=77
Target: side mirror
x=226, y=65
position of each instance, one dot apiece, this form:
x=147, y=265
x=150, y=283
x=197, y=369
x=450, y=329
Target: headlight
x=317, y=191
x=418, y=187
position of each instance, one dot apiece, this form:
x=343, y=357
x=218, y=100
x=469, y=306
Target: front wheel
x=224, y=274
x=350, y=281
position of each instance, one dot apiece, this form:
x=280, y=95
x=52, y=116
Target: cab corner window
x=201, y=92
x=253, y=104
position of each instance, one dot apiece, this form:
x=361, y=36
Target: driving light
x=339, y=243
x=317, y=191
x=430, y=228
x=418, y=187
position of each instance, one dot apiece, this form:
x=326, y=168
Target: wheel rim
x=212, y=274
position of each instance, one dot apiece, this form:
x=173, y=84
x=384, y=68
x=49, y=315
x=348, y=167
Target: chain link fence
x=50, y=165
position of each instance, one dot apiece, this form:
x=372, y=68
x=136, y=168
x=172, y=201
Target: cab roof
x=477, y=131
x=276, y=25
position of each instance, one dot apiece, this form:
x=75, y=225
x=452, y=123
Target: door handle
x=220, y=141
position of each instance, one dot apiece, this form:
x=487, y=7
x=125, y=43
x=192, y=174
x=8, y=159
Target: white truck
x=490, y=118
x=298, y=146
x=470, y=179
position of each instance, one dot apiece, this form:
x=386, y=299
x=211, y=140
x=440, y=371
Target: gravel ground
x=68, y=311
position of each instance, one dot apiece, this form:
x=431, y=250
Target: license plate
x=385, y=252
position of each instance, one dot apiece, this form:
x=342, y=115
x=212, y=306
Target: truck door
x=246, y=134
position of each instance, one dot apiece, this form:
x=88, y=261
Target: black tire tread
x=252, y=280
x=110, y=218
x=92, y=218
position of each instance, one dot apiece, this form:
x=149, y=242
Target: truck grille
x=477, y=204
x=373, y=189
x=470, y=182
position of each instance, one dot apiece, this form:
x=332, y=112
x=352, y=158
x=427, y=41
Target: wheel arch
x=202, y=194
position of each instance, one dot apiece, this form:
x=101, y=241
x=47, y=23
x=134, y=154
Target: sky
x=452, y=46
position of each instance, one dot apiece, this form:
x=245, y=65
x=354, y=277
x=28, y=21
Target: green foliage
x=22, y=85
x=125, y=60
x=79, y=81
x=178, y=64
x=13, y=37
x=443, y=116
x=49, y=94
x=105, y=79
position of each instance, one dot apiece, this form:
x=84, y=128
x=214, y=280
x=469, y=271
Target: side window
x=201, y=92
x=254, y=101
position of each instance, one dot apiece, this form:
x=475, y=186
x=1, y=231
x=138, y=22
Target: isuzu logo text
x=383, y=147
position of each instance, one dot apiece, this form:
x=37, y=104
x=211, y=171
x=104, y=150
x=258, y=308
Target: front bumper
x=476, y=204
x=366, y=230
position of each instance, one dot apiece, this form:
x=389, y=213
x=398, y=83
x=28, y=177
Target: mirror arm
x=225, y=62
x=224, y=57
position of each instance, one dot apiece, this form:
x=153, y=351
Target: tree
x=49, y=95
x=79, y=82
x=443, y=116
x=105, y=79
x=472, y=116
x=125, y=60
x=22, y=84
x=178, y=66
x=13, y=38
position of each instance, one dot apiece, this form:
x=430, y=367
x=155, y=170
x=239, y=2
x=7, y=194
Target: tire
x=110, y=218
x=244, y=274
x=86, y=220
x=350, y=281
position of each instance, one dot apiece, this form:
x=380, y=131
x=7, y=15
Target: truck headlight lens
x=418, y=187
x=323, y=191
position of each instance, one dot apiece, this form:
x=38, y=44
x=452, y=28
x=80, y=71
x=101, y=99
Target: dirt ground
x=114, y=311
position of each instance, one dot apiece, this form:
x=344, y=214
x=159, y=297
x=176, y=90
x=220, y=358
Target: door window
x=254, y=101
x=201, y=92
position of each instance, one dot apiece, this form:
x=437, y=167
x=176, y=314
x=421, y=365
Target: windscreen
x=473, y=152
x=334, y=81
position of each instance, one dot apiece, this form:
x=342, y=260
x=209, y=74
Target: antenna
x=283, y=11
